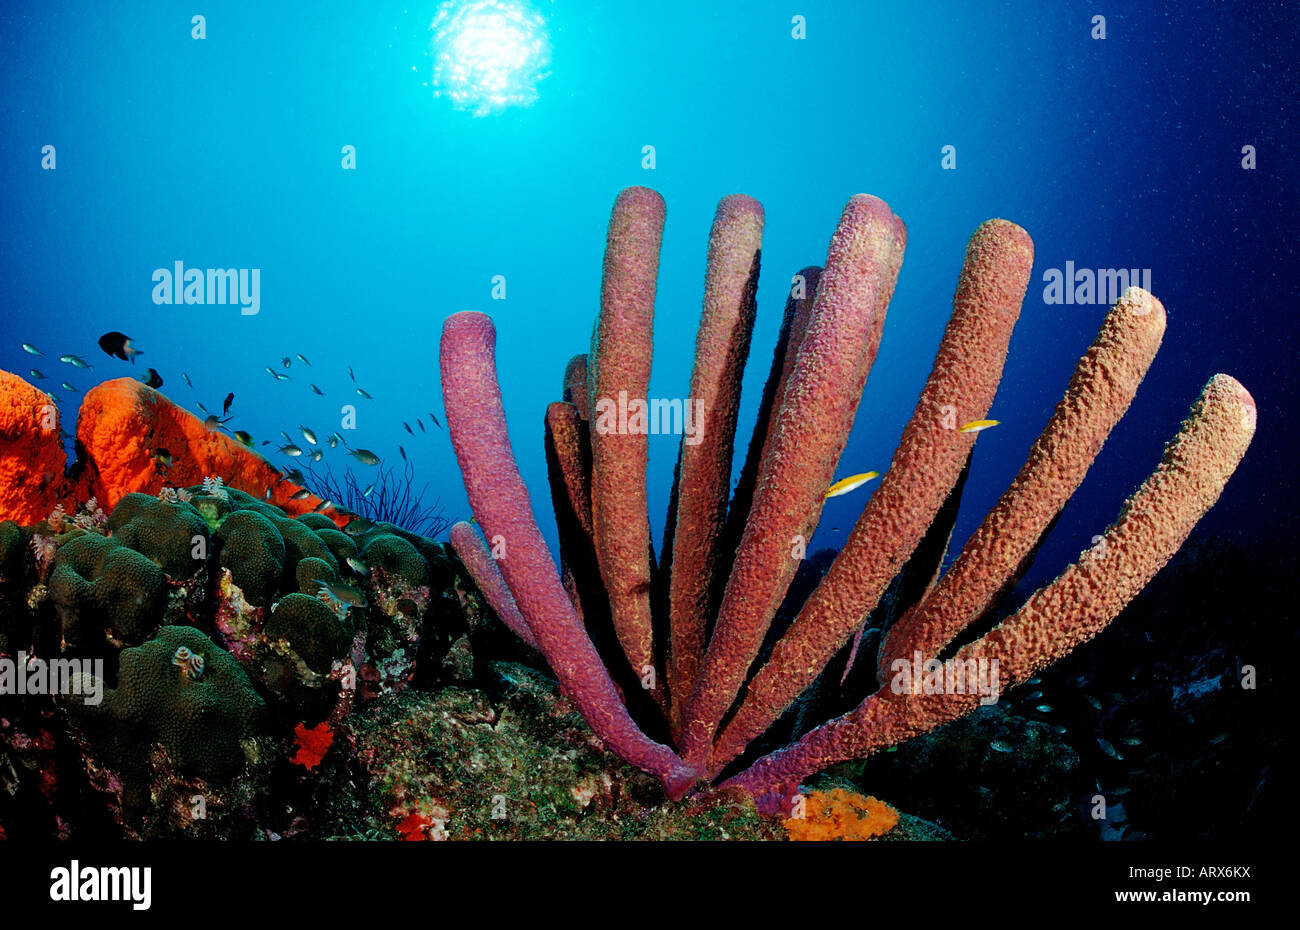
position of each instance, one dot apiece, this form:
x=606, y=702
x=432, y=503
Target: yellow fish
x=975, y=426
x=851, y=483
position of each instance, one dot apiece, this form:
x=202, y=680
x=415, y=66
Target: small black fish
x=286, y=361
x=351, y=375
x=244, y=437
x=420, y=423
x=317, y=390
x=213, y=423
x=299, y=495
x=162, y=459
x=151, y=378
x=403, y=451
x=225, y=406
x=435, y=421
x=187, y=379
x=408, y=427
x=119, y=345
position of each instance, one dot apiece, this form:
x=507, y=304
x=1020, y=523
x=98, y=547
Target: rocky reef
x=226, y=670
x=194, y=634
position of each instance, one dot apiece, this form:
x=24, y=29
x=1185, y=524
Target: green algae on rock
x=520, y=764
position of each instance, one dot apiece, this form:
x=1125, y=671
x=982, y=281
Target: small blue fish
x=1108, y=749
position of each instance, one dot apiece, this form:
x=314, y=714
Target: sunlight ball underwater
x=489, y=54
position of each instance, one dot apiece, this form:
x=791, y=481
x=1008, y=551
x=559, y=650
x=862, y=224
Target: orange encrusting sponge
x=841, y=815
x=121, y=426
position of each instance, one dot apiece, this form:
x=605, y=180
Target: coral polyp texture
x=681, y=685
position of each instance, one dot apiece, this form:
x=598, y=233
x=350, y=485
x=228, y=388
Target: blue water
x=225, y=152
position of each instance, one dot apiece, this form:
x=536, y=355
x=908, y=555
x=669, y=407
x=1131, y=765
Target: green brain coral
x=397, y=557
x=173, y=535
x=310, y=572
x=311, y=630
x=105, y=591
x=301, y=543
x=254, y=551
x=205, y=719
x=316, y=521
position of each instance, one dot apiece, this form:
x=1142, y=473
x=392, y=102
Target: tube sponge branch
x=691, y=627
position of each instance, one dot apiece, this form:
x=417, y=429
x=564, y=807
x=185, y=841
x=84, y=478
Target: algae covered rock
x=518, y=764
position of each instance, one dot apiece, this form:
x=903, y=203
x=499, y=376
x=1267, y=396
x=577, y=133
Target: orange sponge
x=841, y=815
x=121, y=427
x=31, y=456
